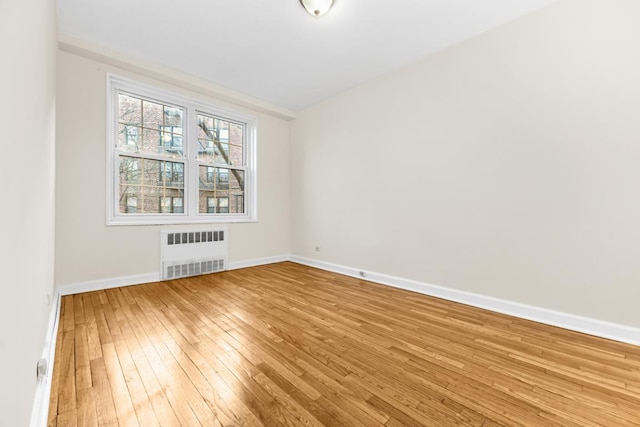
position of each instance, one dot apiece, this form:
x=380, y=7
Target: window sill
x=141, y=221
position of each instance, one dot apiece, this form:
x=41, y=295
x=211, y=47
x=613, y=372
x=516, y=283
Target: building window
x=131, y=203
x=172, y=174
x=218, y=205
x=211, y=204
x=177, y=159
x=130, y=135
x=170, y=204
x=170, y=139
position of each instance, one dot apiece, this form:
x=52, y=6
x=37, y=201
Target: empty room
x=320, y=213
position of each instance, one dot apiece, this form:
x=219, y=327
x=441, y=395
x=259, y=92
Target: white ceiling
x=272, y=49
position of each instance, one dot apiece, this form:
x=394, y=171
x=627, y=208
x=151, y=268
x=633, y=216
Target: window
x=171, y=139
x=172, y=174
x=171, y=205
x=130, y=135
x=218, y=204
x=131, y=204
x=175, y=160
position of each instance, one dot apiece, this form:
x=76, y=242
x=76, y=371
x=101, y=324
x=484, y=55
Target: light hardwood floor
x=286, y=344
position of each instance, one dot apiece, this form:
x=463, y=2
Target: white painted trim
x=138, y=279
x=40, y=411
x=76, y=46
x=190, y=107
x=101, y=284
x=258, y=261
x=599, y=328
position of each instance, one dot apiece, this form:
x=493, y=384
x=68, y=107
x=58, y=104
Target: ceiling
x=272, y=49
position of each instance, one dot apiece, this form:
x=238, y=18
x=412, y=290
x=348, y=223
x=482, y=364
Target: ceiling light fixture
x=317, y=7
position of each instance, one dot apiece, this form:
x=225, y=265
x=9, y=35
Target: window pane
x=236, y=155
x=151, y=141
x=177, y=205
x=129, y=199
x=206, y=178
x=130, y=110
x=206, y=201
x=206, y=138
x=206, y=149
x=236, y=202
x=221, y=153
x=222, y=179
x=214, y=190
x=171, y=141
x=214, y=138
x=132, y=204
x=165, y=204
x=153, y=115
x=171, y=204
x=213, y=184
x=129, y=138
x=236, y=180
x=236, y=134
x=171, y=174
x=221, y=128
x=173, y=117
x=215, y=179
x=205, y=126
x=149, y=127
x=211, y=205
x=223, y=204
x=157, y=186
x=129, y=170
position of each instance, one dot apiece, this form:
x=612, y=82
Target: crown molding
x=100, y=53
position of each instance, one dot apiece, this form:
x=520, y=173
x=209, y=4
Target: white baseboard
x=138, y=279
x=258, y=261
x=599, y=328
x=40, y=410
x=101, y=284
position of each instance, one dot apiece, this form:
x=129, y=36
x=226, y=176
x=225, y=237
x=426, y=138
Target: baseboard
x=138, y=279
x=101, y=284
x=258, y=261
x=599, y=328
x=40, y=410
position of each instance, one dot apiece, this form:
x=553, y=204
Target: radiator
x=190, y=253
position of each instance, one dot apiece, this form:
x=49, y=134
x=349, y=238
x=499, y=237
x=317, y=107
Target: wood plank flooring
x=290, y=345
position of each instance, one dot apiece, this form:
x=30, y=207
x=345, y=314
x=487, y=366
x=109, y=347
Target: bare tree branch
x=224, y=155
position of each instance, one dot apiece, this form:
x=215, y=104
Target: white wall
x=506, y=166
x=27, y=114
x=88, y=250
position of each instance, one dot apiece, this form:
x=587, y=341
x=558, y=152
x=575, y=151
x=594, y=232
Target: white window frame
x=191, y=108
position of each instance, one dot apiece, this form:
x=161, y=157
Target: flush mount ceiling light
x=317, y=7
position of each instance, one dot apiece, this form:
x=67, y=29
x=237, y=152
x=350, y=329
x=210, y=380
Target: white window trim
x=190, y=202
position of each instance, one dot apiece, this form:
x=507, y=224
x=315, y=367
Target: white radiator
x=190, y=253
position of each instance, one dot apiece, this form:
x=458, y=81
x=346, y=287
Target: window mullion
x=191, y=190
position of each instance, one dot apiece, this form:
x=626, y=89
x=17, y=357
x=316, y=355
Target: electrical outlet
x=317, y=248
x=41, y=369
